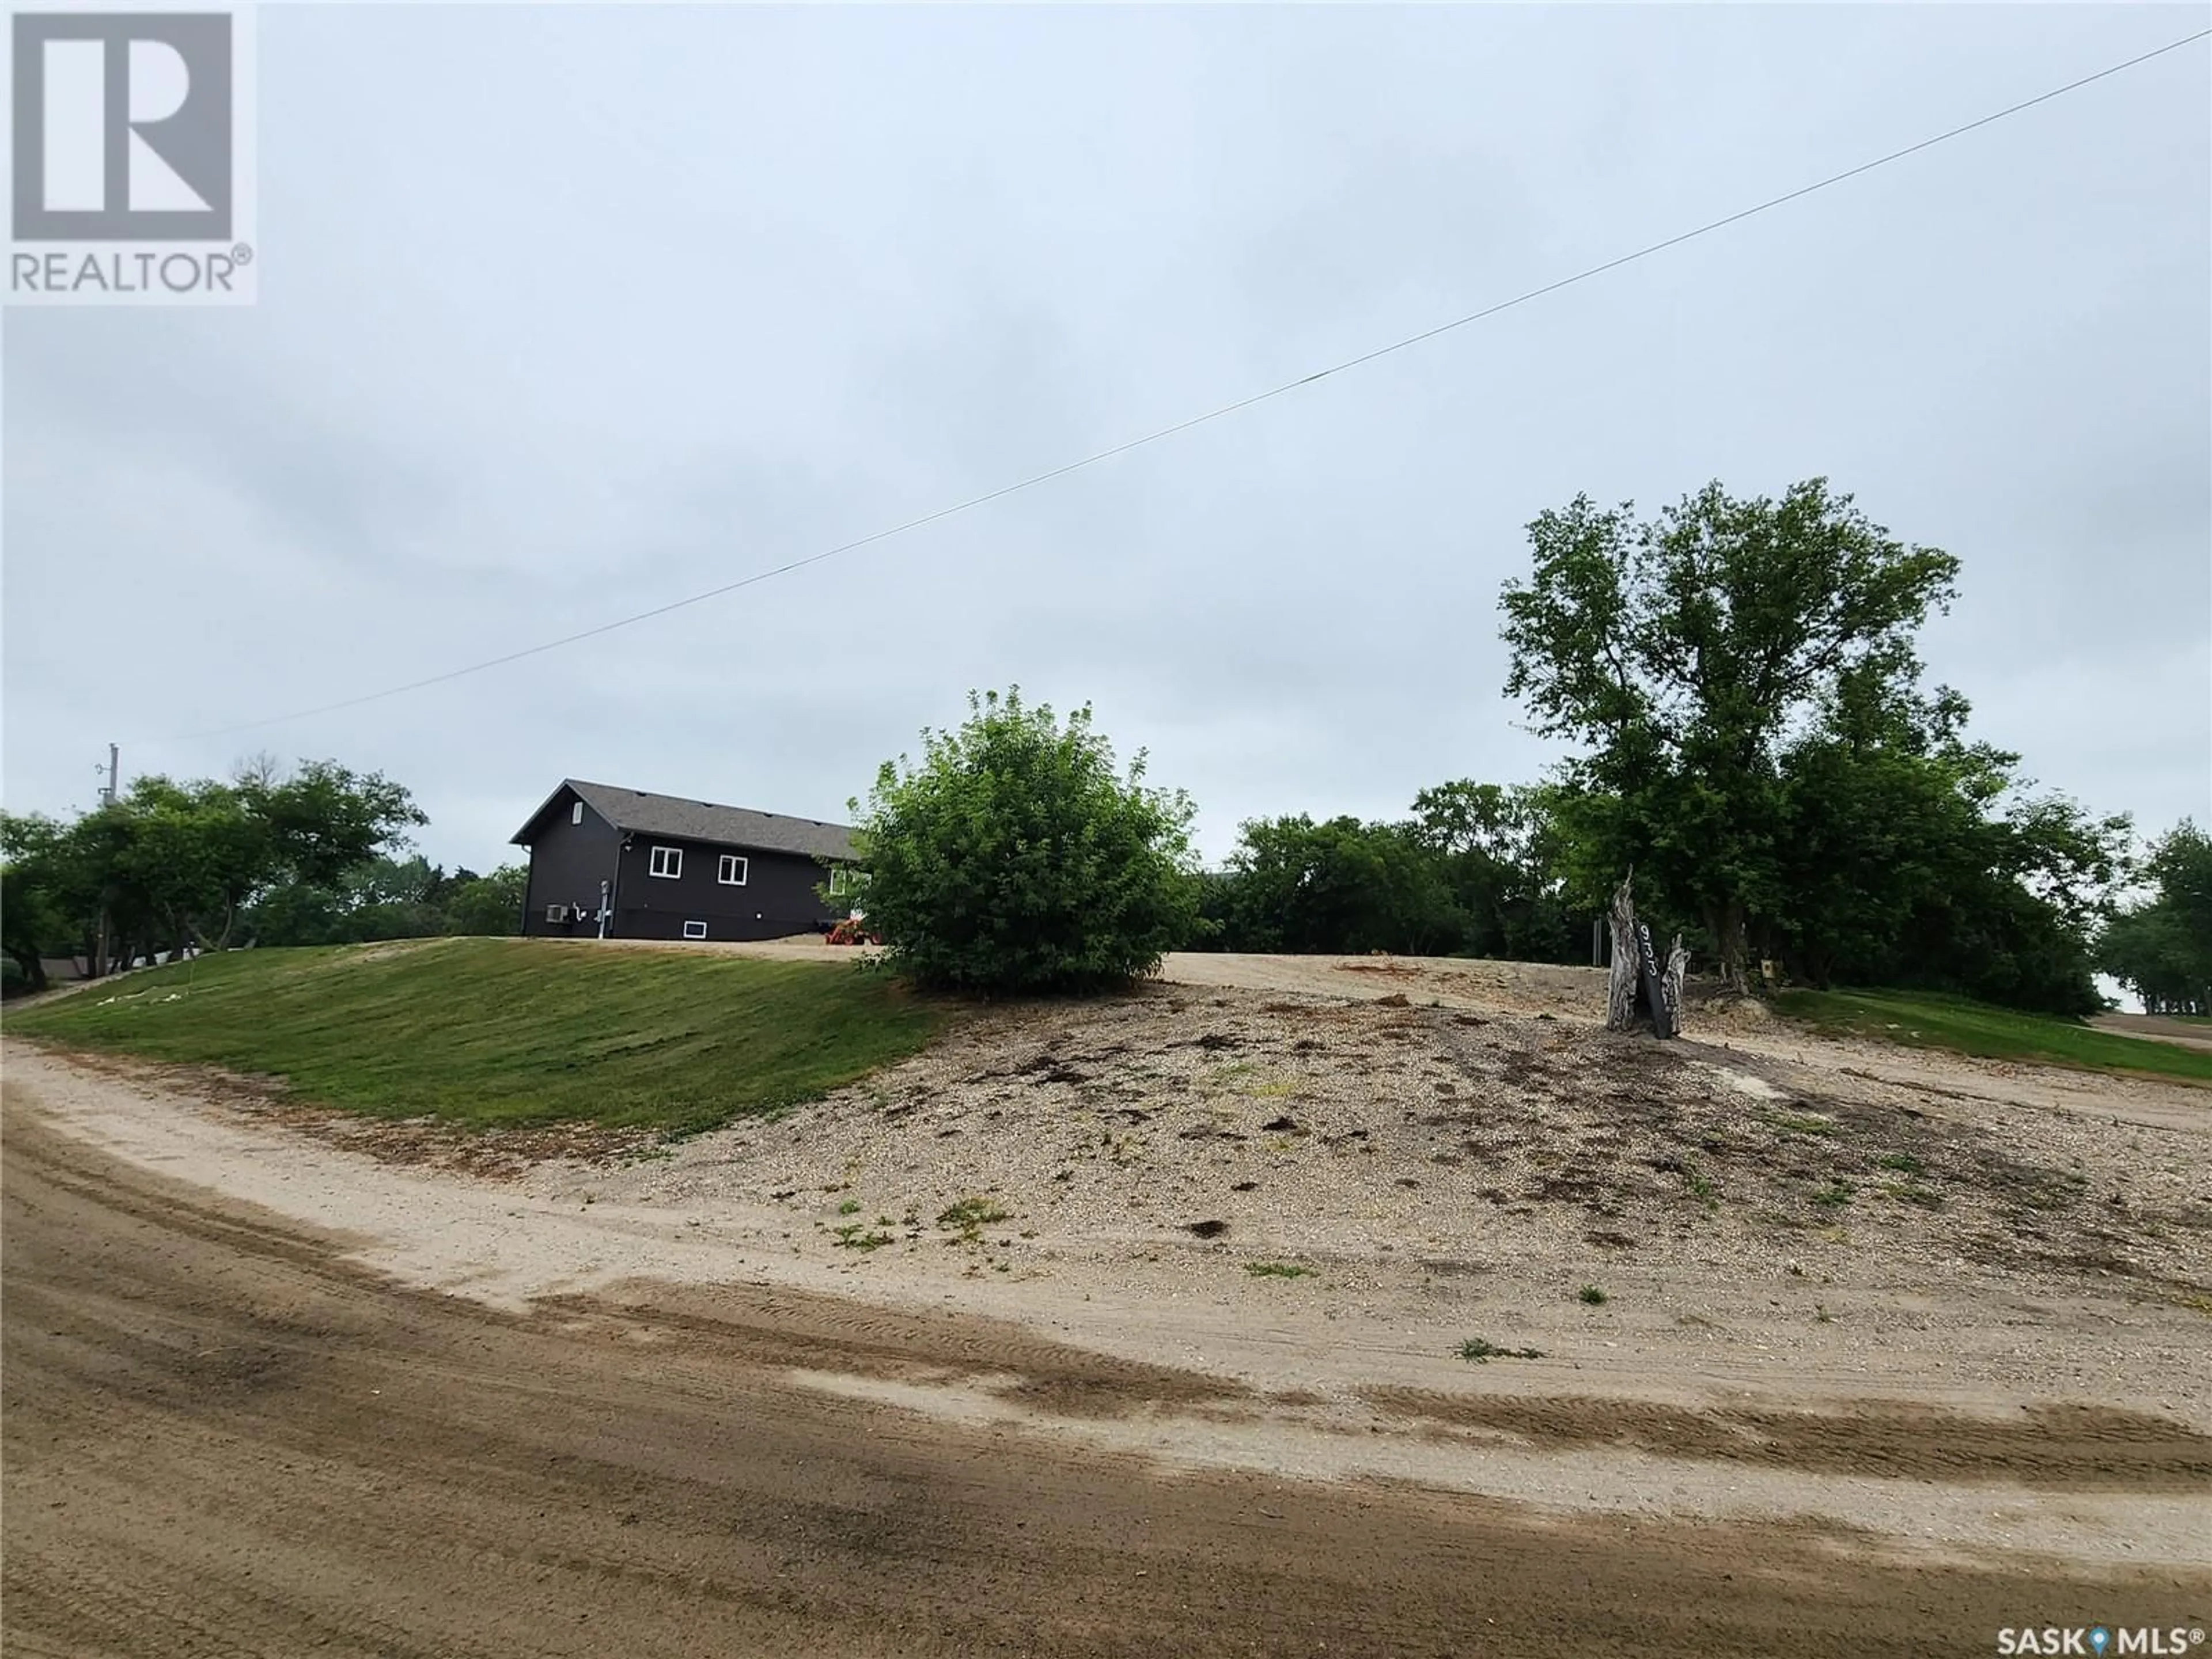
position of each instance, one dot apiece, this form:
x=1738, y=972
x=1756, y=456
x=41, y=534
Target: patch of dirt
x=2165, y=1029
x=1285, y=1120
x=507, y=1154
x=219, y=1435
x=1955, y=1309
x=2051, y=1447
x=784, y=1329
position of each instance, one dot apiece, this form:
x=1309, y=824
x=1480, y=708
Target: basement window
x=731, y=870
x=668, y=861
x=695, y=930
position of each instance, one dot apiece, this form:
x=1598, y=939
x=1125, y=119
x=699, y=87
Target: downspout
x=613, y=890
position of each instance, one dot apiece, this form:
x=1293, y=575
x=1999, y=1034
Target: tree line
x=1737, y=688
x=1474, y=871
x=1737, y=685
x=312, y=856
x=2161, y=947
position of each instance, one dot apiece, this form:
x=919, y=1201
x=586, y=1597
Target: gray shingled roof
x=648, y=814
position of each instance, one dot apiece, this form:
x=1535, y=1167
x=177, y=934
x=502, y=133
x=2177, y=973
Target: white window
x=731, y=870
x=556, y=912
x=843, y=880
x=668, y=861
x=695, y=930
x=576, y=813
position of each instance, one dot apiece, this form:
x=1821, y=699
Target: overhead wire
x=1287, y=387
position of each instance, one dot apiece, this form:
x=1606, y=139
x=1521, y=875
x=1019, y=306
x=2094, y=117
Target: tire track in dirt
x=220, y=1438
x=2053, y=1447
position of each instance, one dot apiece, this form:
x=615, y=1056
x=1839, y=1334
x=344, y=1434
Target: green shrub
x=1015, y=859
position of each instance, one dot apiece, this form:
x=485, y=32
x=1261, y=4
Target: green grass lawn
x=495, y=1032
x=1926, y=1020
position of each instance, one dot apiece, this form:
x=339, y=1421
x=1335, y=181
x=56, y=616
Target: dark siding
x=567, y=862
x=777, y=898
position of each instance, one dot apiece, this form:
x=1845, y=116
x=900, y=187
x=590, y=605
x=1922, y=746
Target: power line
x=1035, y=479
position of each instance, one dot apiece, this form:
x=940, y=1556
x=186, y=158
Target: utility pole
x=107, y=797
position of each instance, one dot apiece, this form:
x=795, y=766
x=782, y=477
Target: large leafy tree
x=325, y=820
x=2161, y=948
x=389, y=897
x=1297, y=886
x=1918, y=862
x=1473, y=872
x=43, y=888
x=1684, y=654
x=169, y=862
x=191, y=855
x=1015, y=857
x=487, y=904
x=1501, y=854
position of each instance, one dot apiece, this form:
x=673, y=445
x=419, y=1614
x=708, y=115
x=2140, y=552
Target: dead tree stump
x=1670, y=984
x=1620, y=985
x=1635, y=977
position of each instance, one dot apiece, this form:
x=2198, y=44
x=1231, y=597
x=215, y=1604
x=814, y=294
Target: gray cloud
x=570, y=312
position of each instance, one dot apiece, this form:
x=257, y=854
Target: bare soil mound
x=1332, y=1130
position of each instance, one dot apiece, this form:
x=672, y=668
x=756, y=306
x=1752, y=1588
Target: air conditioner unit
x=556, y=912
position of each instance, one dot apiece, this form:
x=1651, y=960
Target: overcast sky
x=569, y=313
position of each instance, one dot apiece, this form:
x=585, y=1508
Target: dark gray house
x=624, y=864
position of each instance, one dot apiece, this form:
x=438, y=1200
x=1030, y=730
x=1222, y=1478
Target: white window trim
x=675, y=862
x=844, y=879
x=576, y=813
x=745, y=866
x=689, y=925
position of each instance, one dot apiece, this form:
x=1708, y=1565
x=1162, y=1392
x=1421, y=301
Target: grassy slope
x=1930, y=1021
x=500, y=1032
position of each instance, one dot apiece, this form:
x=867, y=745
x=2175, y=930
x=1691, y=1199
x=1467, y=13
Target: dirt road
x=221, y=1437
x=2189, y=1034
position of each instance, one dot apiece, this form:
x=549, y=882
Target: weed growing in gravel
x=854, y=1236
x=850, y=1207
x=1799, y=1126
x=1277, y=1270
x=1482, y=1351
x=1835, y=1195
x=1596, y=1297
x=1904, y=1164
x=1703, y=1186
x=969, y=1216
